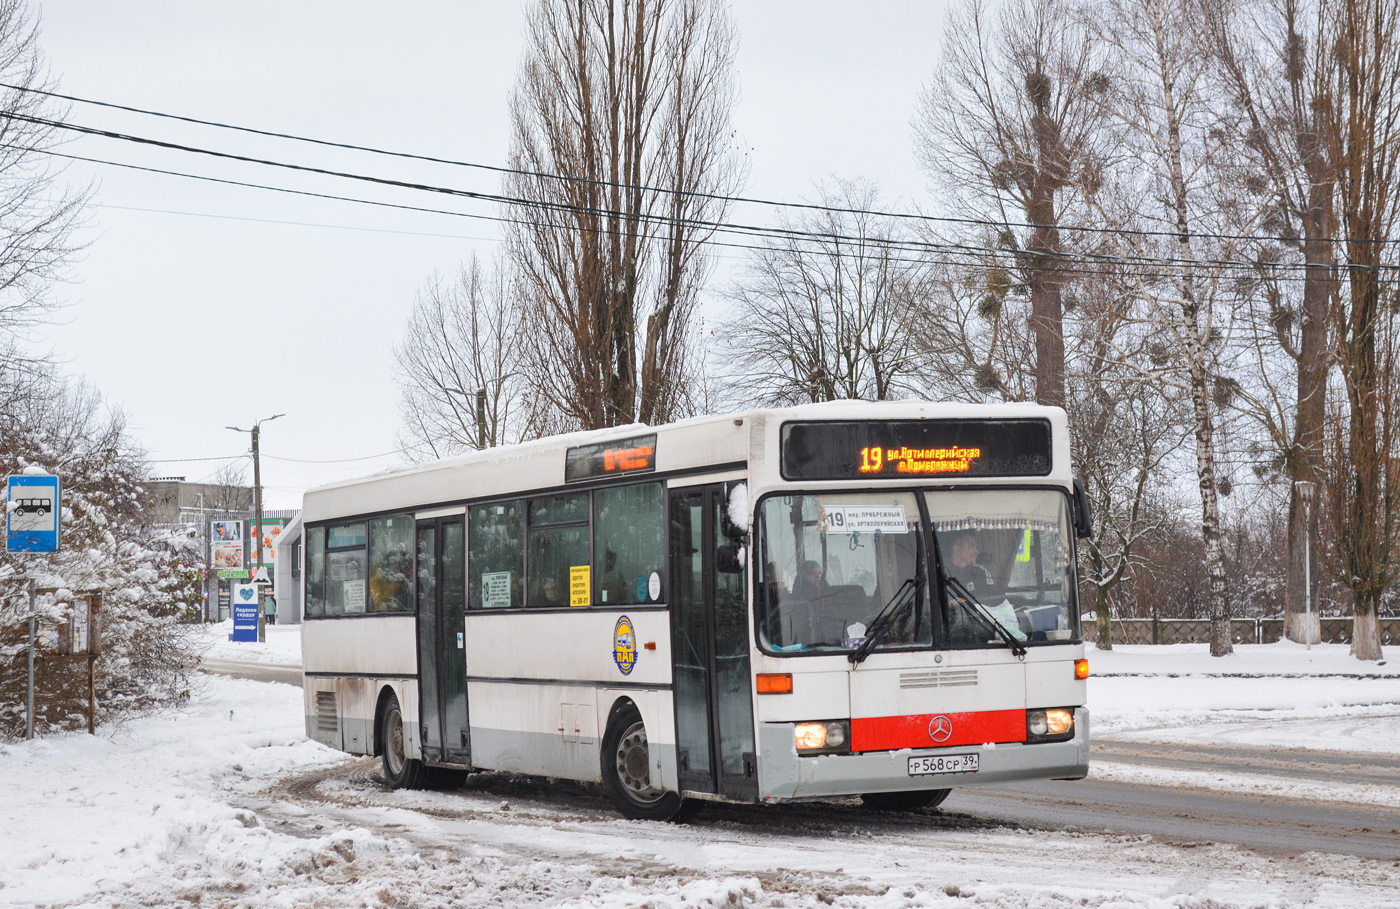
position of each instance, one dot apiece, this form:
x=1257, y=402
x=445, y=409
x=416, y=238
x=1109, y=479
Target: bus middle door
x=442, y=665
x=710, y=648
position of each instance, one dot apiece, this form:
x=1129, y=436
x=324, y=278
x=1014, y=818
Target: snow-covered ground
x=281, y=647
x=227, y=804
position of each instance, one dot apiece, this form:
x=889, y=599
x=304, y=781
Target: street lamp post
x=257, y=509
x=1306, y=490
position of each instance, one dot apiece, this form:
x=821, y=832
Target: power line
x=649, y=218
x=753, y=231
x=722, y=197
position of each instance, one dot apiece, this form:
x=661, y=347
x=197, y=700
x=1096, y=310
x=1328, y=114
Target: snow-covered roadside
x=193, y=809
x=1264, y=695
x=281, y=647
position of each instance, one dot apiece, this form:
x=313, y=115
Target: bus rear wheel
x=400, y=771
x=626, y=768
x=905, y=801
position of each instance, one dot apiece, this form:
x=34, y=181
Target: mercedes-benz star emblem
x=940, y=728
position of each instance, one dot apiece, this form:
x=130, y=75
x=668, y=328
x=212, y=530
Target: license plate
x=942, y=763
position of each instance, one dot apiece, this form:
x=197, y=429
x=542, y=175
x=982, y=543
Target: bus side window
x=496, y=556
x=628, y=534
x=315, y=572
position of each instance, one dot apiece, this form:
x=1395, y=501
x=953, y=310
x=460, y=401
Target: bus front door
x=710, y=649
x=442, y=665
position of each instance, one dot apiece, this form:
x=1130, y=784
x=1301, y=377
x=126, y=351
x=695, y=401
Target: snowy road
x=226, y=804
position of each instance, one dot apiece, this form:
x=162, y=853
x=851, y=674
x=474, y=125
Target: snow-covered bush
x=147, y=577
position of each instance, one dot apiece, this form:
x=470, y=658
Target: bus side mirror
x=1083, y=517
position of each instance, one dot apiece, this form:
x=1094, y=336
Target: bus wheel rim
x=632, y=765
x=393, y=749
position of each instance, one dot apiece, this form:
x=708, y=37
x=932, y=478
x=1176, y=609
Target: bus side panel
x=364, y=645
x=341, y=712
x=357, y=699
x=321, y=700
x=571, y=647
x=539, y=729
x=1052, y=683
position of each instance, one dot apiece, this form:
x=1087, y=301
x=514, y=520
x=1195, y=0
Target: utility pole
x=256, y=535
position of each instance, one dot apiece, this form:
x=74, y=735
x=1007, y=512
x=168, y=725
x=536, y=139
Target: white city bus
x=874, y=599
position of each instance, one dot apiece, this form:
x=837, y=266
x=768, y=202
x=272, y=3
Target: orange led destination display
x=915, y=448
x=918, y=460
x=622, y=456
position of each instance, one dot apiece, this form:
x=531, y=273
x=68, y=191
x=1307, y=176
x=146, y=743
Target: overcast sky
x=198, y=306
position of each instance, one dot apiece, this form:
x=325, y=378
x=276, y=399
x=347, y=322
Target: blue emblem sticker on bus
x=624, y=645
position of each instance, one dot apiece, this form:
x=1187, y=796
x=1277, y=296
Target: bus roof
x=718, y=440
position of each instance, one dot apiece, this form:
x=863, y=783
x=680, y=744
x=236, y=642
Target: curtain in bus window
x=1010, y=552
x=315, y=572
x=830, y=563
x=390, y=563
x=627, y=545
x=553, y=554
x=496, y=556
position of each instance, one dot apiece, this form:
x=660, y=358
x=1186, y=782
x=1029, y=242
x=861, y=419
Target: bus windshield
x=830, y=562
x=1007, y=559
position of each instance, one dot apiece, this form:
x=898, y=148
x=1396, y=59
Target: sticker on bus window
x=624, y=645
x=579, y=585
x=495, y=590
x=865, y=519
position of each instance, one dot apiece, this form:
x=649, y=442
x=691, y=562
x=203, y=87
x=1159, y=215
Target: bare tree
x=1012, y=120
x=1159, y=91
x=825, y=312
x=1364, y=147
x=1272, y=57
x=459, y=366
x=1129, y=427
x=620, y=128
x=38, y=215
x=972, y=328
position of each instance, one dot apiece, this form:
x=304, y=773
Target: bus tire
x=625, y=764
x=400, y=772
x=905, y=801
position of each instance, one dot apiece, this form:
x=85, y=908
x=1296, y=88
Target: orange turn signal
x=1081, y=669
x=774, y=683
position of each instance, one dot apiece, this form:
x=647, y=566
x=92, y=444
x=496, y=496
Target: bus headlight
x=1053, y=724
x=822, y=737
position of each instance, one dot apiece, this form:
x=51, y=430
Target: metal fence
x=1242, y=631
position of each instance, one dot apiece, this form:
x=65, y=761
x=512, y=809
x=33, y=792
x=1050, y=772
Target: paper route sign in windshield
x=865, y=519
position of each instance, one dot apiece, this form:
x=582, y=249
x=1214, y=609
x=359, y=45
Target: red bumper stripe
x=886, y=733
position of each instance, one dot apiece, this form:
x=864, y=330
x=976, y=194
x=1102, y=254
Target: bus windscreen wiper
x=985, y=614
x=904, y=596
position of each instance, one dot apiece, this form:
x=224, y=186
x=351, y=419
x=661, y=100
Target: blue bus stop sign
x=33, y=514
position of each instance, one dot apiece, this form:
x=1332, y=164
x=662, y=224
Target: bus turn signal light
x=775, y=683
x=1081, y=669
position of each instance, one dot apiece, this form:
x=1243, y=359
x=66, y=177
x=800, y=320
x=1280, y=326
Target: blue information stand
x=245, y=613
x=34, y=517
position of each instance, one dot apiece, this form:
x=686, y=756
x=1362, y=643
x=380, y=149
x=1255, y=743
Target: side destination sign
x=916, y=448
x=623, y=456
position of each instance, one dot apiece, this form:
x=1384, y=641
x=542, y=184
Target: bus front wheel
x=905, y=801
x=400, y=771
x=627, y=772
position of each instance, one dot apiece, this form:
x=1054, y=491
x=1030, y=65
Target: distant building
x=171, y=500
